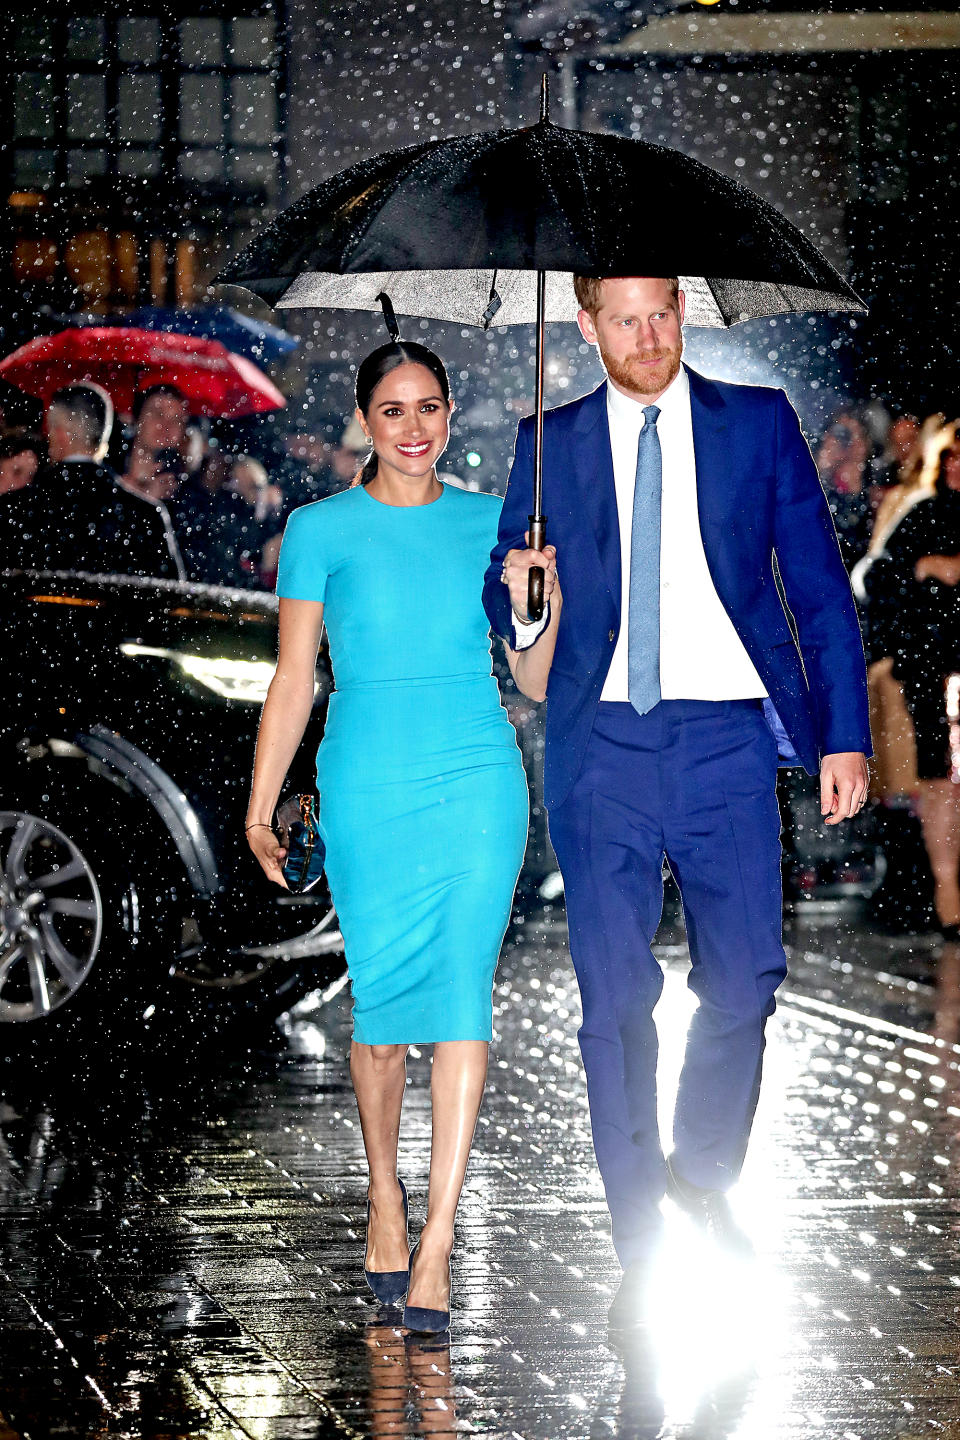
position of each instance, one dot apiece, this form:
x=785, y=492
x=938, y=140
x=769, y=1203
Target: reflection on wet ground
x=181, y=1239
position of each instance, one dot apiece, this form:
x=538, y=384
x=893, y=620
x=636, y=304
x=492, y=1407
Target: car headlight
x=232, y=679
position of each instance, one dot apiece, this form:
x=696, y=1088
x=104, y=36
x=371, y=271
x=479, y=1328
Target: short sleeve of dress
x=302, y=569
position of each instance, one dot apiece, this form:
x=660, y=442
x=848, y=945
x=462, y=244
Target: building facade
x=132, y=133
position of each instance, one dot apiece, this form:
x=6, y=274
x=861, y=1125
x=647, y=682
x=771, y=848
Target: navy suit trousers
x=695, y=782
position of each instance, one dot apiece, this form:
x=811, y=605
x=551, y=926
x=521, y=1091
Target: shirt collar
x=624, y=411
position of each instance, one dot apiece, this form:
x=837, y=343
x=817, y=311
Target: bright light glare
x=246, y=680
x=720, y=1325
x=473, y=459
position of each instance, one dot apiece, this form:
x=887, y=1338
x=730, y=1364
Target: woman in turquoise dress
x=423, y=799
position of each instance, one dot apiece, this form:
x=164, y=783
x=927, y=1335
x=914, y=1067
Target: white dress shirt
x=701, y=655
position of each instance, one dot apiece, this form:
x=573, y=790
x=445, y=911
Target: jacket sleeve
x=818, y=592
x=511, y=533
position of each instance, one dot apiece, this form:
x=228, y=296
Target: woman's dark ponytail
x=367, y=470
x=376, y=367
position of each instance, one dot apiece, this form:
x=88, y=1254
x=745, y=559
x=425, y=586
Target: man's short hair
x=142, y=396
x=587, y=288
x=17, y=442
x=89, y=407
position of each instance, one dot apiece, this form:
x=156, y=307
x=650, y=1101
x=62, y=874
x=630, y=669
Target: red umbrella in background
x=124, y=361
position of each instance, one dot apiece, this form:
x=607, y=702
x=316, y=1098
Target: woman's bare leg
x=940, y=817
x=379, y=1074
x=456, y=1087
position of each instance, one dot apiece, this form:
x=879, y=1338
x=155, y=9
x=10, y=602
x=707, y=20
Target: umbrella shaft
x=538, y=447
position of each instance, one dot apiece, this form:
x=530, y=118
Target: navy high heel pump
x=420, y=1319
x=389, y=1286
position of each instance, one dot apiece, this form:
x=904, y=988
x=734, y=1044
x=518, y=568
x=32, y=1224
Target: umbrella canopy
x=483, y=213
x=258, y=340
x=487, y=229
x=125, y=361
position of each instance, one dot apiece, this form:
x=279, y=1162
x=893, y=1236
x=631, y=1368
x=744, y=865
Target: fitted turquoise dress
x=423, y=798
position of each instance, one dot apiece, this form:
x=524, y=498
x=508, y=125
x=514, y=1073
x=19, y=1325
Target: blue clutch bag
x=300, y=833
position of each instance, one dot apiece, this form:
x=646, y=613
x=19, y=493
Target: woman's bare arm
x=286, y=711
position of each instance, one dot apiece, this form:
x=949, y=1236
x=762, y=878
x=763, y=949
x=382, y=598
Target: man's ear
x=681, y=303
x=587, y=328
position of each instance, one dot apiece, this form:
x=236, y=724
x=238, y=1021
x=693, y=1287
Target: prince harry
x=676, y=680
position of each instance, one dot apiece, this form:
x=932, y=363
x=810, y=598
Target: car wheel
x=69, y=928
x=51, y=921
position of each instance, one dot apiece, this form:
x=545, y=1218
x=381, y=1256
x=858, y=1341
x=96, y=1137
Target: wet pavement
x=182, y=1236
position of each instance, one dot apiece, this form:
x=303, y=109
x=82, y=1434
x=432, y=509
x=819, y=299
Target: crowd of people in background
x=893, y=486
x=219, y=511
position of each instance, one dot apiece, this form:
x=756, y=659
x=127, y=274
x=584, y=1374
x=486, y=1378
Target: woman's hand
x=945, y=568
x=269, y=852
x=515, y=575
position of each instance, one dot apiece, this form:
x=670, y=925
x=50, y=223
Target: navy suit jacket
x=759, y=496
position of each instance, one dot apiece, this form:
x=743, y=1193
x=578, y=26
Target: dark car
x=127, y=732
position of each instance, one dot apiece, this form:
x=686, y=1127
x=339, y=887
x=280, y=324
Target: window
x=192, y=98
x=34, y=39
x=86, y=107
x=33, y=106
x=86, y=37
x=201, y=42
x=253, y=109
x=138, y=109
x=138, y=40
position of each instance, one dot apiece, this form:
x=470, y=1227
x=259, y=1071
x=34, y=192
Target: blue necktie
x=643, y=653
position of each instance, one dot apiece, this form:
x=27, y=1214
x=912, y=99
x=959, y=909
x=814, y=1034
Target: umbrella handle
x=535, y=576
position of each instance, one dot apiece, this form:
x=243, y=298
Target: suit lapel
x=593, y=467
x=715, y=480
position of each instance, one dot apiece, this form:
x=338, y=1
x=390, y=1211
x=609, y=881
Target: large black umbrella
x=487, y=229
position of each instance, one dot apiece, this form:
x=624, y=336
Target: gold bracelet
x=258, y=825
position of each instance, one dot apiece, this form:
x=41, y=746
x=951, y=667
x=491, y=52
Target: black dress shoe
x=628, y=1311
x=710, y=1210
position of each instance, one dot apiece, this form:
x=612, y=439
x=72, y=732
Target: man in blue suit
x=676, y=680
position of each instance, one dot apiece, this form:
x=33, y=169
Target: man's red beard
x=640, y=378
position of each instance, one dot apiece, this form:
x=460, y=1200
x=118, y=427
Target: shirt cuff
x=525, y=635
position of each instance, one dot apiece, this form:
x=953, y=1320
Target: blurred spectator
x=353, y=450
x=843, y=462
x=21, y=456
x=901, y=442
x=196, y=445
x=915, y=479
x=75, y=515
x=894, y=771
x=266, y=511
x=269, y=562
x=913, y=587
x=161, y=414
x=218, y=536
x=315, y=466
x=249, y=480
